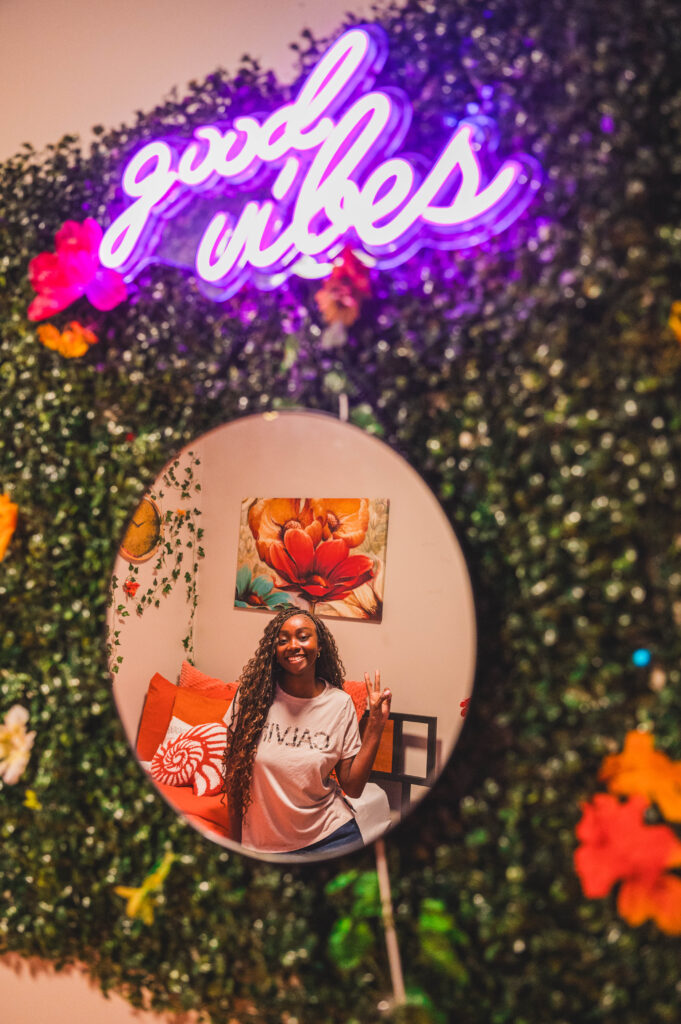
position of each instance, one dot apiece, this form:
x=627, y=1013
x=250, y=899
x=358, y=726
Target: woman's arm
x=353, y=772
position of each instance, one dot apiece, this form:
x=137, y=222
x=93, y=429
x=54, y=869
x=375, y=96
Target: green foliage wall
x=534, y=383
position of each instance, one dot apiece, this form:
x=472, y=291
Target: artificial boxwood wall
x=534, y=382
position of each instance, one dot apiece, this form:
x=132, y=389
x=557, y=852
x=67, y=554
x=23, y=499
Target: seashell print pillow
x=195, y=758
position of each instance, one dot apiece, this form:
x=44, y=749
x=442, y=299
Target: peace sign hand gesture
x=379, y=700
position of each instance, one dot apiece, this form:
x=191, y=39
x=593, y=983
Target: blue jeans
x=348, y=834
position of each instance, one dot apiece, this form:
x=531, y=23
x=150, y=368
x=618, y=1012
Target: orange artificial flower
x=675, y=319
x=342, y=518
x=661, y=901
x=75, y=340
x=8, y=522
x=270, y=518
x=130, y=588
x=640, y=769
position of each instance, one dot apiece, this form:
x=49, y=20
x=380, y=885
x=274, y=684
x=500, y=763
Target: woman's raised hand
x=379, y=700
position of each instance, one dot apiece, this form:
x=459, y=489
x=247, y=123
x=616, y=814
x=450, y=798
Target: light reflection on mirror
x=189, y=611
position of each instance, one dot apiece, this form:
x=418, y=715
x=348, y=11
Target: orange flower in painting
x=640, y=769
x=343, y=518
x=8, y=522
x=74, y=341
x=270, y=519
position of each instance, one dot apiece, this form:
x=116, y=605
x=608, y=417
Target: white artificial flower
x=15, y=744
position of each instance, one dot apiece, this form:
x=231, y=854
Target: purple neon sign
x=315, y=175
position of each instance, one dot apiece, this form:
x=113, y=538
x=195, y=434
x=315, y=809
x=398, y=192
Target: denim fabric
x=344, y=836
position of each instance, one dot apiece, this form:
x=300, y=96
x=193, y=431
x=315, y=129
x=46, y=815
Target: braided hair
x=257, y=687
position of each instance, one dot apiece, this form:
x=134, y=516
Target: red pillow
x=194, y=757
x=358, y=692
x=210, y=686
x=156, y=715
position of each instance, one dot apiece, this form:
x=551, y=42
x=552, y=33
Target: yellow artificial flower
x=640, y=769
x=8, y=522
x=140, y=904
x=72, y=342
x=31, y=801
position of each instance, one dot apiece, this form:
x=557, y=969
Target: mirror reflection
x=291, y=671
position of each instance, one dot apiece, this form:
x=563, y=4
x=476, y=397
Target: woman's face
x=297, y=645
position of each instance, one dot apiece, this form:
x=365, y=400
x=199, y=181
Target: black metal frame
x=397, y=772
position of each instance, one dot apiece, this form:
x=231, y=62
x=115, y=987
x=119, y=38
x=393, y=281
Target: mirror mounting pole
x=389, y=925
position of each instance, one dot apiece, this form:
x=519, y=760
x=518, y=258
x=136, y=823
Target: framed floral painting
x=326, y=555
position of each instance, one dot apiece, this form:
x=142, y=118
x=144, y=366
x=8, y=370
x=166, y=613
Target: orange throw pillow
x=358, y=692
x=156, y=715
x=210, y=686
x=195, y=709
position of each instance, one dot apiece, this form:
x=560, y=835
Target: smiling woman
x=292, y=756
x=294, y=752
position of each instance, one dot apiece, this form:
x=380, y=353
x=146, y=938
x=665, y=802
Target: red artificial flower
x=618, y=845
x=324, y=573
x=464, y=706
x=341, y=295
x=72, y=270
x=131, y=587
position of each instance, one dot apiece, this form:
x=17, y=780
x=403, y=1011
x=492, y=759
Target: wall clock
x=143, y=535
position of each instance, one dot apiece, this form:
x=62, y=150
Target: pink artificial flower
x=72, y=270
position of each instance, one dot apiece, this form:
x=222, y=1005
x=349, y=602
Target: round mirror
x=245, y=641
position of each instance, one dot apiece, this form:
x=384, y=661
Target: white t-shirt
x=294, y=800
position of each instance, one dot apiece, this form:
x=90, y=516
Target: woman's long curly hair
x=257, y=687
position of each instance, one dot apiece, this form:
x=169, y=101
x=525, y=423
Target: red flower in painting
x=72, y=270
x=130, y=587
x=324, y=573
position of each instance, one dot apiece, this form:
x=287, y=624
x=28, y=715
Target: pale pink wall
x=151, y=642
x=65, y=67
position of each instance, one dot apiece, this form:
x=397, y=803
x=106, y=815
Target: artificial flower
x=130, y=588
x=256, y=591
x=342, y=518
x=140, y=903
x=31, y=801
x=15, y=744
x=72, y=270
x=660, y=900
x=8, y=522
x=341, y=295
x=270, y=518
x=675, y=319
x=75, y=340
x=464, y=706
x=617, y=845
x=640, y=769
x=324, y=573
